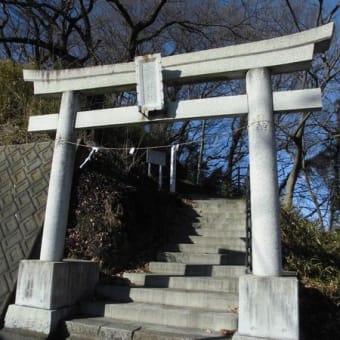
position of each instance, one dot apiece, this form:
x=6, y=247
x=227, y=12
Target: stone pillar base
x=38, y=320
x=47, y=293
x=237, y=336
x=268, y=308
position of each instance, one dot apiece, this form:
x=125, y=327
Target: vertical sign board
x=150, y=96
x=157, y=158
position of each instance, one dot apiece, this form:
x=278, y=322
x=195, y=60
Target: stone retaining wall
x=24, y=178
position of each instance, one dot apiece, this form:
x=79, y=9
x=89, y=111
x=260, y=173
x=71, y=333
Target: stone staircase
x=191, y=291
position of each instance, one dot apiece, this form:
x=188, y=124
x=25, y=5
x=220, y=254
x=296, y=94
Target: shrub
x=314, y=255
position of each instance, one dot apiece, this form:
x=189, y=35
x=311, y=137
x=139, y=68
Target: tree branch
x=144, y=24
x=123, y=11
x=319, y=18
x=36, y=42
x=293, y=15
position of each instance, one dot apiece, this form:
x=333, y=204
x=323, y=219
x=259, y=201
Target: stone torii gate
x=258, y=315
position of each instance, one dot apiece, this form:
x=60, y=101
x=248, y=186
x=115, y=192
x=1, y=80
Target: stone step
x=182, y=230
x=81, y=337
x=205, y=248
x=227, y=210
x=220, y=224
x=225, y=241
x=162, y=315
x=232, y=258
x=109, y=328
x=213, y=232
x=184, y=235
x=217, y=301
x=215, y=284
x=172, y=268
x=193, y=228
x=193, y=216
x=217, y=202
x=20, y=334
x=220, y=208
x=227, y=220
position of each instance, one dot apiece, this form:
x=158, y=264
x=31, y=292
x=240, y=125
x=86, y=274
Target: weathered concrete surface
x=35, y=319
x=11, y=334
x=213, y=284
x=171, y=297
x=284, y=54
x=175, y=268
x=48, y=291
x=59, y=190
x=264, y=193
x=237, y=336
x=24, y=176
x=285, y=101
x=52, y=285
x=174, y=316
x=107, y=328
x=234, y=257
x=268, y=307
x=150, y=94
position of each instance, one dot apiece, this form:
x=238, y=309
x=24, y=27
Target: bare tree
x=54, y=34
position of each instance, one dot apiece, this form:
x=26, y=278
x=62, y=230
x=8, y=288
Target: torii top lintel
x=281, y=55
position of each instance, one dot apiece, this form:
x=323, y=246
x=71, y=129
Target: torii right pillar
x=268, y=306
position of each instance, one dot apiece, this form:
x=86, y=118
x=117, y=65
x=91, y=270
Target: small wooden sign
x=156, y=157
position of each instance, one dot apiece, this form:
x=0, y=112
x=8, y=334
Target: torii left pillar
x=59, y=190
x=48, y=289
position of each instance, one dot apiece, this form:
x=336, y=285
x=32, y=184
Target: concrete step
x=218, y=202
x=170, y=296
x=20, y=334
x=172, y=268
x=224, y=209
x=213, y=232
x=203, y=248
x=162, y=315
x=226, y=224
x=225, y=241
x=232, y=258
x=229, y=217
x=191, y=235
x=193, y=216
x=109, y=328
x=215, y=284
x=184, y=235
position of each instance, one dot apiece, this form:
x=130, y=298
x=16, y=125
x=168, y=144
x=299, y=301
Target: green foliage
x=14, y=93
x=312, y=252
x=314, y=255
x=17, y=103
x=14, y=102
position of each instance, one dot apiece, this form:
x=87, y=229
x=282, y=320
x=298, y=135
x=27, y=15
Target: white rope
x=88, y=158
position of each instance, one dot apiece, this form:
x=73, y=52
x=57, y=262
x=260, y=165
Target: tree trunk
x=236, y=137
x=200, y=155
x=298, y=163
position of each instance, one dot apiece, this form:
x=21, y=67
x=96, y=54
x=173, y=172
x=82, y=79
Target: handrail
x=249, y=268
